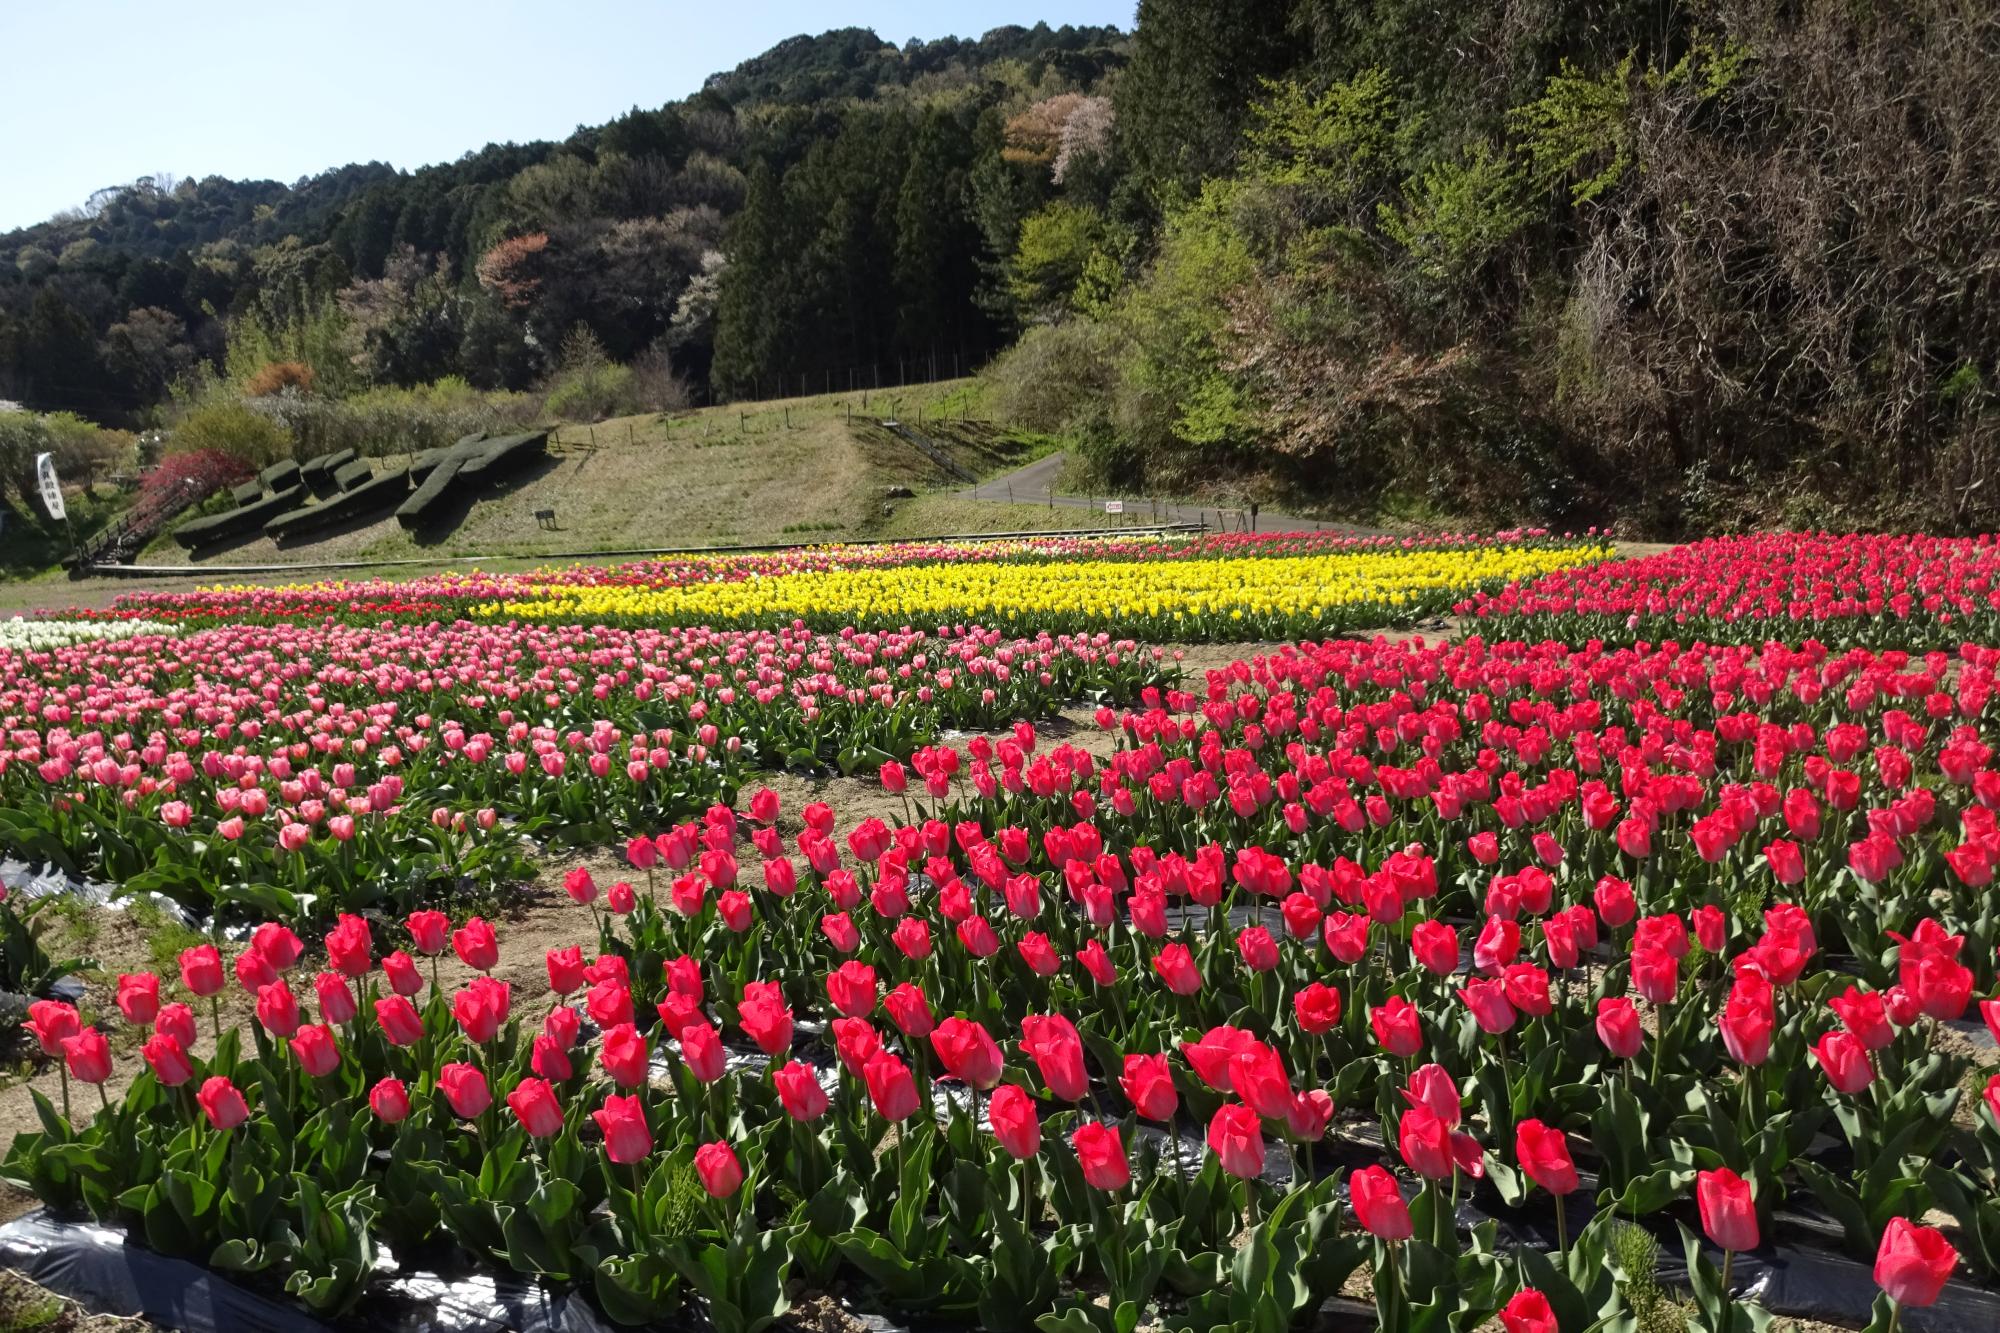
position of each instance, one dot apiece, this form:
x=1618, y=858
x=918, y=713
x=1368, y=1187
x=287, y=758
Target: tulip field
x=916, y=929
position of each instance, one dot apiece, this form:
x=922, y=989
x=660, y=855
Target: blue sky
x=97, y=94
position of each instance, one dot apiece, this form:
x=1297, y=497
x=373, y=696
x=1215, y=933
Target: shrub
x=199, y=472
x=233, y=428
x=277, y=376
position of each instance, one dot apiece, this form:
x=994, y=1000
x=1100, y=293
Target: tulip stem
x=215, y=1016
x=1562, y=1231
x=103, y=1096
x=1895, y=1315
x=1728, y=1260
x=63, y=1070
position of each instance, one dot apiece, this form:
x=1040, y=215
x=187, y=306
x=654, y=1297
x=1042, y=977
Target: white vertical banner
x=45, y=476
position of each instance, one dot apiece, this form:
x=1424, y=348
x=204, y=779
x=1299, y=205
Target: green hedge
x=248, y=493
x=350, y=475
x=465, y=467
x=504, y=455
x=237, y=522
x=280, y=476
x=320, y=472
x=368, y=497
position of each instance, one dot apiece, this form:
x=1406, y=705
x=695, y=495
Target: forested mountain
x=482, y=267
x=1682, y=263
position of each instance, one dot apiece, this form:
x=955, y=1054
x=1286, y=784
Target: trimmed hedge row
x=379, y=493
x=247, y=493
x=282, y=476
x=465, y=466
x=236, y=522
x=319, y=473
x=352, y=474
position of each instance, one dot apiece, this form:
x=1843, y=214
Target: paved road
x=1033, y=484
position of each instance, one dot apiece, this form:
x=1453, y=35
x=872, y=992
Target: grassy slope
x=797, y=470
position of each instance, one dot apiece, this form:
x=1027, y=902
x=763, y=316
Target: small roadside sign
x=1114, y=506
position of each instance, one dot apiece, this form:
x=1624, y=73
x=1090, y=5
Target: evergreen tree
x=1196, y=67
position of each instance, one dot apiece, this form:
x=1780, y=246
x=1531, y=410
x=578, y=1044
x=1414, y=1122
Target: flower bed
x=1189, y=598
x=1605, y=942
x=1897, y=591
x=453, y=593
x=295, y=771
x=23, y=637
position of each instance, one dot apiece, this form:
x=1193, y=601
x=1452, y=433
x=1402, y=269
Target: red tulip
x=254, y=971
x=537, y=1109
x=799, y=1091
x=1346, y=936
x=1655, y=974
x=399, y=1020
x=138, y=997
x=1489, y=1004
x=401, y=971
x=625, y=1055
x=1727, y=1213
x=1211, y=1056
x=1425, y=1143
x=390, y=1101
x=52, y=1021
x=1148, y=1082
x=481, y=1008
x=1095, y=961
x=968, y=1052
x=222, y=1103
x=1011, y=1114
x=176, y=1021
x=1101, y=1153
x=1864, y=1014
x=909, y=1011
x=314, y=1047
x=278, y=1009
x=1051, y=1041
x=475, y=945
x=349, y=947
x=464, y=1087
x=701, y=1051
x=168, y=1060
x=1432, y=1087
x=1398, y=1027
x=336, y=1001
x=623, y=1120
x=1236, y=1137
x=427, y=932
x=277, y=945
x=1176, y=967
x=1615, y=902
x=1378, y=1204
x=565, y=968
x=721, y=1174
x=1618, y=1026
x=766, y=1019
x=1747, y=1023
x=1317, y=1007
x=1528, y=1312
x=1845, y=1061
x=1913, y=1263
x=1544, y=1155
x=1257, y=949
x=201, y=969
x=1435, y=947
x=890, y=1086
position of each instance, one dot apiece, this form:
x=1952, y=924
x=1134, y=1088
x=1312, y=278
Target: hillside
x=801, y=470
x=479, y=268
